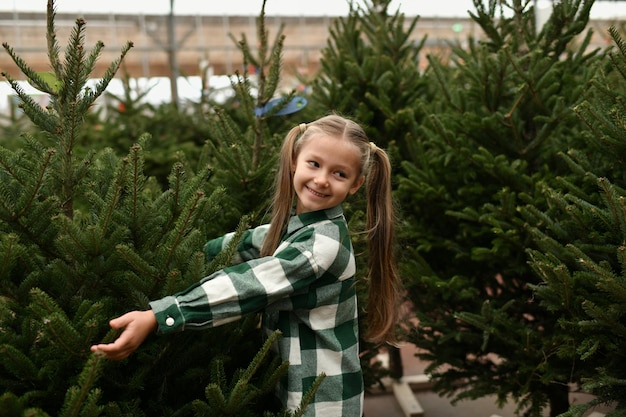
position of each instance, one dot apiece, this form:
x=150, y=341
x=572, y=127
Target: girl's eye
x=340, y=174
x=314, y=164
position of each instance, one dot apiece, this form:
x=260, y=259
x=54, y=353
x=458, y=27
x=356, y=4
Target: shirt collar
x=305, y=219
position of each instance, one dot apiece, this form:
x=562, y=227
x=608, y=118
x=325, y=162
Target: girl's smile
x=326, y=171
x=316, y=193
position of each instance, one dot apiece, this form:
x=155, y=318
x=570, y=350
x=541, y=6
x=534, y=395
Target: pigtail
x=383, y=302
x=284, y=193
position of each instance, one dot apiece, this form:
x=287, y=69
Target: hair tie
x=302, y=127
x=373, y=147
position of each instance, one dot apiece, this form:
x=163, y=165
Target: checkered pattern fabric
x=306, y=290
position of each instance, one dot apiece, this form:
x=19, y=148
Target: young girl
x=299, y=270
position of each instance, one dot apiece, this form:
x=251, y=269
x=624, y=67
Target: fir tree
x=581, y=237
x=85, y=240
x=123, y=119
x=244, y=139
x=69, y=97
x=503, y=113
x=370, y=70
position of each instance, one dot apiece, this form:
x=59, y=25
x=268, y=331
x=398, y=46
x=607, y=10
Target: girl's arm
x=252, y=286
x=218, y=299
x=249, y=287
x=138, y=325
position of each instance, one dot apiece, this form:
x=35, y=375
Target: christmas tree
x=86, y=236
x=490, y=143
x=370, y=70
x=581, y=245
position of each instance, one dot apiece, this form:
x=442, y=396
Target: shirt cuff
x=169, y=317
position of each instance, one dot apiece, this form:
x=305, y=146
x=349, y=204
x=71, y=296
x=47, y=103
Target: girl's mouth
x=315, y=193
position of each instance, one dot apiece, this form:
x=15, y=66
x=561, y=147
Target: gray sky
x=443, y=8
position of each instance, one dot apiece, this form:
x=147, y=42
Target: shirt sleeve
x=249, y=246
x=250, y=286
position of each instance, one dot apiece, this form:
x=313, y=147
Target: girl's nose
x=321, y=180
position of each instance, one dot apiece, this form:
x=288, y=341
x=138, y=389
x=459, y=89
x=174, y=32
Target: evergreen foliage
x=580, y=255
x=87, y=239
x=242, y=145
x=69, y=98
x=493, y=133
x=370, y=70
x=509, y=175
x=123, y=119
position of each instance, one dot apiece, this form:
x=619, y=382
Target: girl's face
x=326, y=171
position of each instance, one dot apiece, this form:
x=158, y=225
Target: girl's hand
x=137, y=326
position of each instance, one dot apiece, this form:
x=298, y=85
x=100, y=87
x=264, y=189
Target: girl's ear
x=357, y=184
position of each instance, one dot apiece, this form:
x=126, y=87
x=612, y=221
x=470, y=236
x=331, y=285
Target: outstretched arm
x=137, y=326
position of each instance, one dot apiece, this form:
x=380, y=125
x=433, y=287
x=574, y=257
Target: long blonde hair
x=383, y=277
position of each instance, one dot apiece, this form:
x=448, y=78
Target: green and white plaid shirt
x=306, y=290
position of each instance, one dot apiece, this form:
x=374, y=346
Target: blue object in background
x=294, y=105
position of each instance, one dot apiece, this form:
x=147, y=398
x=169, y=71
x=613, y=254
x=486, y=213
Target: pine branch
x=136, y=261
x=21, y=201
x=243, y=89
x=108, y=75
x=309, y=395
x=275, y=67
x=51, y=38
x=35, y=78
x=81, y=399
x=176, y=187
x=137, y=178
x=56, y=323
x=17, y=363
x=223, y=259
x=616, y=206
x=485, y=19
x=42, y=118
x=75, y=76
x=260, y=356
x=190, y=212
x=10, y=250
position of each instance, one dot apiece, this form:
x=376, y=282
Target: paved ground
x=386, y=405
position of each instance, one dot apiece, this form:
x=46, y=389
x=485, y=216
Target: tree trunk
x=559, y=399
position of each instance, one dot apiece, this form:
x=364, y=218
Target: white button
x=169, y=321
